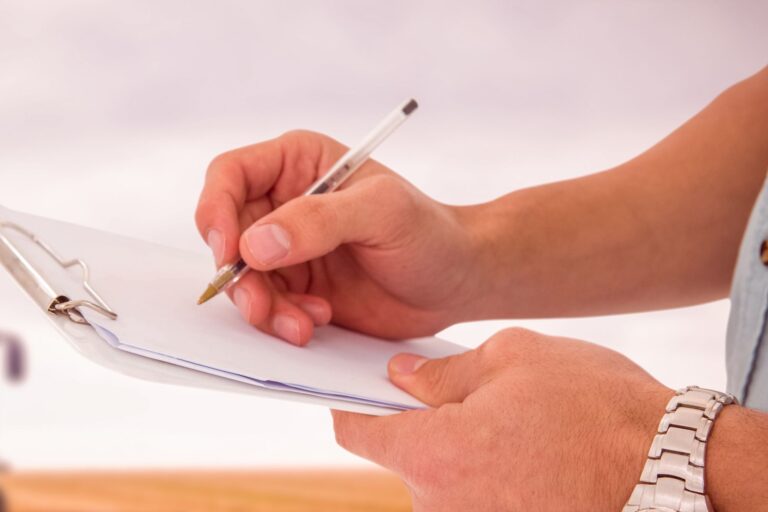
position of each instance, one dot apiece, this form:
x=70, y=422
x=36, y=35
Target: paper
x=154, y=290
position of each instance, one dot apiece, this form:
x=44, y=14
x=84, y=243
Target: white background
x=110, y=112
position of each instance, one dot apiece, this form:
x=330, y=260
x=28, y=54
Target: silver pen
x=350, y=162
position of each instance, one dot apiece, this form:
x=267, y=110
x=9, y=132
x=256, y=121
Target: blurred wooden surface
x=209, y=491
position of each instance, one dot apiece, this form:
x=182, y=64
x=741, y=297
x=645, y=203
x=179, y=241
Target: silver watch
x=673, y=476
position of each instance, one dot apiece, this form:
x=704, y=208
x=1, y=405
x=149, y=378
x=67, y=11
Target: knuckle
x=219, y=163
x=509, y=344
x=385, y=182
x=494, y=345
x=299, y=141
x=296, y=133
x=399, y=205
x=290, y=138
x=517, y=332
x=390, y=189
x=518, y=336
x=317, y=212
x=302, y=135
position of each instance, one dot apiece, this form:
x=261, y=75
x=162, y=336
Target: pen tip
x=410, y=107
x=207, y=295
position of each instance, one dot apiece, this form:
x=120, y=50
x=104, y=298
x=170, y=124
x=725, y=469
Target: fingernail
x=316, y=312
x=216, y=243
x=243, y=302
x=287, y=328
x=268, y=243
x=407, y=363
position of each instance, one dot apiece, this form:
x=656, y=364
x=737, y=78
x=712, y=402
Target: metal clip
x=39, y=288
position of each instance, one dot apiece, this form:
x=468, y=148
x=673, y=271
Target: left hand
x=524, y=422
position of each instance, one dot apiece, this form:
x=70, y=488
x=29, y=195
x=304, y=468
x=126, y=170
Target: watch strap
x=673, y=477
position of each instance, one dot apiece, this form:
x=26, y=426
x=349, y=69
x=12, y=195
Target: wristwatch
x=673, y=476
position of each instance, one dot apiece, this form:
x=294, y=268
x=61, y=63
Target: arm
x=659, y=231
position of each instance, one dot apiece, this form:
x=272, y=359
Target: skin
x=525, y=421
x=506, y=434
x=359, y=238
x=533, y=422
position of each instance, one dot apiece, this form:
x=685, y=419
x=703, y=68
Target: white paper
x=154, y=290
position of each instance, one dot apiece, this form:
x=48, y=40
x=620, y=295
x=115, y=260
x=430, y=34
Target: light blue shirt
x=747, y=341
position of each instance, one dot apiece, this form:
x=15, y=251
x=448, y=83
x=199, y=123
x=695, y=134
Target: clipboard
x=68, y=292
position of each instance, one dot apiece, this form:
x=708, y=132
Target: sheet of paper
x=154, y=290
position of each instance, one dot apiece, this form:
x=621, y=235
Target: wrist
x=502, y=254
x=641, y=426
x=737, y=459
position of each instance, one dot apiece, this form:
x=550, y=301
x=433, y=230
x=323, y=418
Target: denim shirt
x=747, y=340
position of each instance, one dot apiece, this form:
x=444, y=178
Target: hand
x=524, y=422
x=376, y=256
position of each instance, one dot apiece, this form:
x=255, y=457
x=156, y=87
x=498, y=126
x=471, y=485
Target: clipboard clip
x=39, y=288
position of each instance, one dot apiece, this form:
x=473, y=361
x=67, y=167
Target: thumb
x=309, y=227
x=438, y=381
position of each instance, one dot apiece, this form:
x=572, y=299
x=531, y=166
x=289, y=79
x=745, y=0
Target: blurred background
x=111, y=111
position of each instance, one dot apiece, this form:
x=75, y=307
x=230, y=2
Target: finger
x=439, y=381
x=231, y=178
x=283, y=167
x=452, y=379
x=270, y=311
x=374, y=210
x=288, y=321
x=253, y=297
x=385, y=440
x=318, y=309
x=307, y=156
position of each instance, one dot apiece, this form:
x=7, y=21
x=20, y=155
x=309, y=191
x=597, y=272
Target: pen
x=350, y=162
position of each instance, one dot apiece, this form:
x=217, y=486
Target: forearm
x=661, y=230
x=737, y=461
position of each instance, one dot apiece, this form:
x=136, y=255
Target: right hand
x=376, y=256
